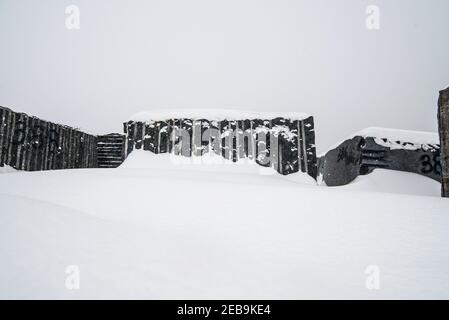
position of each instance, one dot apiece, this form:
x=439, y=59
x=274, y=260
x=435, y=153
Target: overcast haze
x=307, y=56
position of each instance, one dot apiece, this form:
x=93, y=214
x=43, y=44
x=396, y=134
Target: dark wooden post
x=443, y=129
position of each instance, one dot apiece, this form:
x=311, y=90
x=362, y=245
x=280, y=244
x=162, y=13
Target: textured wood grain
x=443, y=126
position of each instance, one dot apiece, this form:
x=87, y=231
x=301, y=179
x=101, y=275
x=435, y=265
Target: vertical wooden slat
x=186, y=137
x=3, y=128
x=443, y=129
x=139, y=135
x=26, y=153
x=163, y=138
x=309, y=136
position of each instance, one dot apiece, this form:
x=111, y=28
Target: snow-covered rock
x=372, y=148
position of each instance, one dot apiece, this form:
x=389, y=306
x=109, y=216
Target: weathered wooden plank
x=262, y=132
x=309, y=135
x=176, y=137
x=163, y=137
x=4, y=120
x=110, y=150
x=443, y=129
x=131, y=138
x=139, y=135
x=245, y=139
x=18, y=140
x=186, y=137
x=26, y=153
x=215, y=137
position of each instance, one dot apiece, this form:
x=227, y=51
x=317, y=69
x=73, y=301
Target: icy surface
x=157, y=229
x=213, y=114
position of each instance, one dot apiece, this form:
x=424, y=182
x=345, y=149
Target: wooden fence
x=111, y=150
x=29, y=143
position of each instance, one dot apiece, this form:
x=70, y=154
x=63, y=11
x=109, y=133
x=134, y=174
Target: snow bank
x=395, y=182
x=210, y=163
x=7, y=169
x=212, y=114
x=160, y=233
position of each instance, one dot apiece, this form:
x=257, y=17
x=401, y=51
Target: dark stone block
x=341, y=165
x=245, y=140
x=162, y=137
x=226, y=139
x=262, y=132
x=110, y=150
x=443, y=129
x=185, y=137
x=130, y=132
x=362, y=155
x=285, y=133
x=5, y=133
x=215, y=137
x=139, y=135
x=288, y=146
x=308, y=128
x=201, y=137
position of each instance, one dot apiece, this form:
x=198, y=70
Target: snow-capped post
x=443, y=129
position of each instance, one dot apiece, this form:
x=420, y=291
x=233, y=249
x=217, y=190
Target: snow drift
x=148, y=230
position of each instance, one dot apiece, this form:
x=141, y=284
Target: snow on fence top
x=215, y=114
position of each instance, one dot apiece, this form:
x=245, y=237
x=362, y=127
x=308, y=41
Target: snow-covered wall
x=443, y=130
x=29, y=143
x=285, y=143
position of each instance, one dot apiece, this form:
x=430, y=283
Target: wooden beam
x=443, y=129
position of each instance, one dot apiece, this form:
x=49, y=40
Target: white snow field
x=152, y=229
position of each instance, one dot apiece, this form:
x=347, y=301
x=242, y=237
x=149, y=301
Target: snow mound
x=211, y=166
x=7, y=169
x=159, y=233
x=395, y=182
x=212, y=114
x=216, y=169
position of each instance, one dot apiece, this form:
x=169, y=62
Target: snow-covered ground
x=152, y=229
x=7, y=169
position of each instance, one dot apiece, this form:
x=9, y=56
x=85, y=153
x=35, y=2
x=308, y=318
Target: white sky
x=313, y=56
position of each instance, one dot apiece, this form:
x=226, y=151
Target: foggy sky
x=313, y=56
